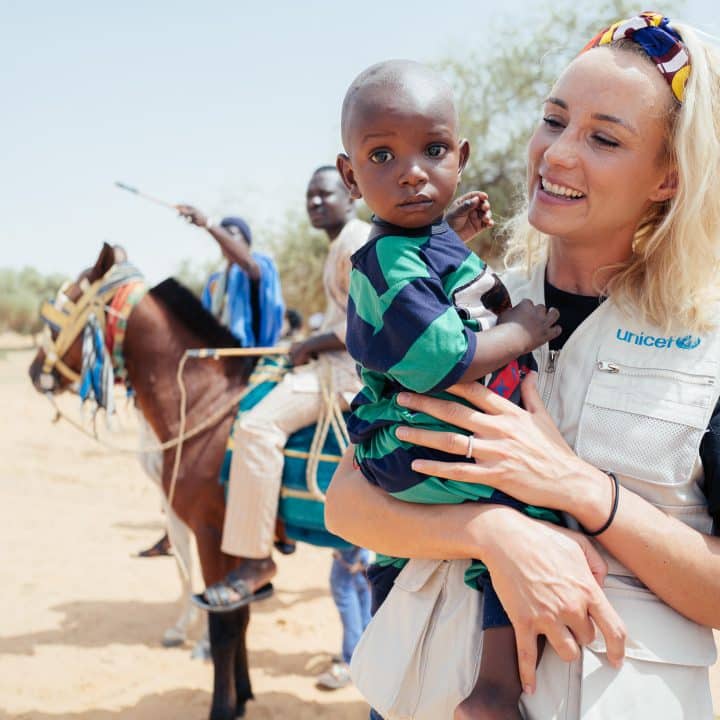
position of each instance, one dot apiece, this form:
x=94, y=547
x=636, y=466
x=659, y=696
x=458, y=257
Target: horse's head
x=58, y=363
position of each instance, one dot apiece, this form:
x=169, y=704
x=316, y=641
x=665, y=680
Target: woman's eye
x=606, y=141
x=436, y=150
x=552, y=122
x=379, y=157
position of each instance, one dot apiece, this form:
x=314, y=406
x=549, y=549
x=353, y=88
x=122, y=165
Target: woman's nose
x=562, y=152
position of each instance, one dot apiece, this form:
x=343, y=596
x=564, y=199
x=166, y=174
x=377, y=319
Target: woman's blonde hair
x=672, y=276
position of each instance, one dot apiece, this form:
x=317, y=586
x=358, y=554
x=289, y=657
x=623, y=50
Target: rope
x=181, y=437
x=204, y=353
x=123, y=450
x=331, y=416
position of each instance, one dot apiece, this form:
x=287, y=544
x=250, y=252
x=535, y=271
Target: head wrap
x=240, y=224
x=662, y=44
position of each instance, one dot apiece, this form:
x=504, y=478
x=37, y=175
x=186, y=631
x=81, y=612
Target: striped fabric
x=418, y=301
x=96, y=375
x=662, y=44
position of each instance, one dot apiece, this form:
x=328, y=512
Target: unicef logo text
x=688, y=342
x=683, y=342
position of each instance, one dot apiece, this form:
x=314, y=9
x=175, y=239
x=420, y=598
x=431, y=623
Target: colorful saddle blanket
x=303, y=516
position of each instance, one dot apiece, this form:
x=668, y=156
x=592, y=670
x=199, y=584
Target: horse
x=147, y=334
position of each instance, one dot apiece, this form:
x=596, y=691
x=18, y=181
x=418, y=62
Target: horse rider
x=297, y=401
x=245, y=296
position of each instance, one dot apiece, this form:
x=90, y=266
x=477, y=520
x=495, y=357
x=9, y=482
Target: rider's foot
x=248, y=582
x=255, y=572
x=161, y=547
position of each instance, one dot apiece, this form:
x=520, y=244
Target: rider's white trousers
x=257, y=464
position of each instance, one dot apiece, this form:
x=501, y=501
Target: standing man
x=261, y=433
x=246, y=296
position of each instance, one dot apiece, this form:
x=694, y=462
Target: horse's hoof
x=201, y=651
x=173, y=638
x=223, y=713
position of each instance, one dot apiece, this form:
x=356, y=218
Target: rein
x=69, y=318
x=116, y=294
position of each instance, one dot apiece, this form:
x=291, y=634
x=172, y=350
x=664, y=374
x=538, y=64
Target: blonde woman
x=622, y=432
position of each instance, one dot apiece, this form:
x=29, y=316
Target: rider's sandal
x=218, y=597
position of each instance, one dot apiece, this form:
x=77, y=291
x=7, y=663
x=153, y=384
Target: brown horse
x=163, y=324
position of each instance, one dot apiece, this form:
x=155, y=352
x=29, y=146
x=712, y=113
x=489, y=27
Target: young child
x=425, y=313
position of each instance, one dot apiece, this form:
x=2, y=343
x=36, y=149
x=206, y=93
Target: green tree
x=299, y=252
x=194, y=275
x=500, y=90
x=21, y=292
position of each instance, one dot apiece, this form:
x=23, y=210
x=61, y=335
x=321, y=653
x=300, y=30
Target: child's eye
x=379, y=157
x=436, y=150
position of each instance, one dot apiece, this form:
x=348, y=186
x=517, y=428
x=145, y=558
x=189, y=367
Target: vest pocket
x=645, y=423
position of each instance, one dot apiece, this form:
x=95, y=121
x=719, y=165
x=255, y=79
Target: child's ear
x=668, y=187
x=347, y=174
x=464, y=152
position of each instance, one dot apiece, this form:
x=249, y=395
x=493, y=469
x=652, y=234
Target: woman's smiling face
x=596, y=161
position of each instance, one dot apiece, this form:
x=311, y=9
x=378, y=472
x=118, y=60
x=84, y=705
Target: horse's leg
x=180, y=540
x=223, y=643
x=243, y=691
x=178, y=532
x=227, y=634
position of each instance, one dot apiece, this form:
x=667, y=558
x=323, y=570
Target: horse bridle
x=67, y=318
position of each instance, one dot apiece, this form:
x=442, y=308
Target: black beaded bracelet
x=613, y=510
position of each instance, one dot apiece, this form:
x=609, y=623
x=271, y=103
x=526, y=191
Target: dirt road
x=81, y=619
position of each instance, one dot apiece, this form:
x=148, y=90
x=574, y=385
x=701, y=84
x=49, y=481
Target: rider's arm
x=303, y=352
x=235, y=250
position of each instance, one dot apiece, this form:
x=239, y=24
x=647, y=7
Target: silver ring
x=469, y=451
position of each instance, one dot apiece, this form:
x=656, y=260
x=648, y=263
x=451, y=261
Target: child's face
x=405, y=158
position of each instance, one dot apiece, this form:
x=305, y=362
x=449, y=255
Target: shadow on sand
x=194, y=705
x=85, y=624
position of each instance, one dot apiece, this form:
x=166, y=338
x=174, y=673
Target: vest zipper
x=615, y=368
x=547, y=377
x=551, y=361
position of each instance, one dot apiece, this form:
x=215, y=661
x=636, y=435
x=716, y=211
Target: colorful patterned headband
x=663, y=45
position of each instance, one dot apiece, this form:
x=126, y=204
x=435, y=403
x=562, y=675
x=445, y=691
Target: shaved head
x=395, y=86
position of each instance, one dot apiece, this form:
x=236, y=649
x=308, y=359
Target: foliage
x=300, y=253
x=194, y=275
x=21, y=292
x=500, y=90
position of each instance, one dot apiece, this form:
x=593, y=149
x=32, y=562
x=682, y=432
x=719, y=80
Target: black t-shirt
x=573, y=310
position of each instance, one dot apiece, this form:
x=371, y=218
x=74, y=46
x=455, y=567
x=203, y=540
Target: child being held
x=426, y=313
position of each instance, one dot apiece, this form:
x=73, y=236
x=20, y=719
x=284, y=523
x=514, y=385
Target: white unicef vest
x=632, y=398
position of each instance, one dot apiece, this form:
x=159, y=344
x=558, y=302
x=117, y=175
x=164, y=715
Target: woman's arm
x=521, y=453
x=547, y=578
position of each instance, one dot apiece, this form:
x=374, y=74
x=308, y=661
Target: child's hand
x=536, y=324
x=469, y=215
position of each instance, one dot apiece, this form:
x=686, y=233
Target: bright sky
x=226, y=104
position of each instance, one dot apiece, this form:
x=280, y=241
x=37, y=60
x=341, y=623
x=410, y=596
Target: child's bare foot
x=488, y=701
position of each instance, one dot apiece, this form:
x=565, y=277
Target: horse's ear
x=106, y=259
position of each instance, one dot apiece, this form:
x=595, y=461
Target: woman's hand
x=518, y=451
x=469, y=215
x=548, y=578
x=549, y=582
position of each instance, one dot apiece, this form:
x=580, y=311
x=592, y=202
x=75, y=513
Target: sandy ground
x=81, y=619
